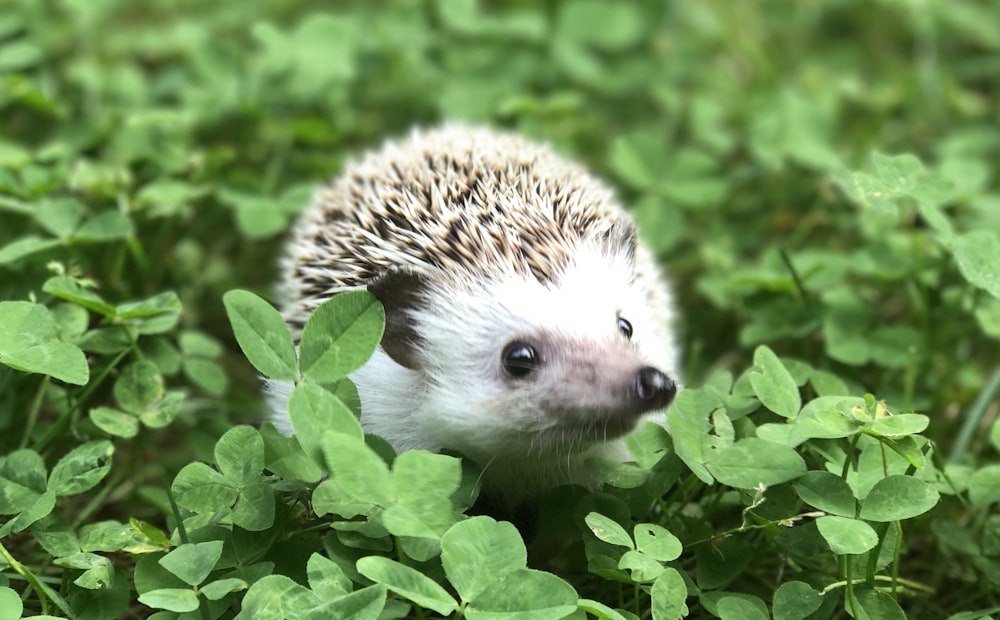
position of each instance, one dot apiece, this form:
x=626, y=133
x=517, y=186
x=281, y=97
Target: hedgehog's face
x=580, y=360
x=515, y=365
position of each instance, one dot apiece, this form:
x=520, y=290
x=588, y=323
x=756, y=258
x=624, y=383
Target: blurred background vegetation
x=732, y=129
x=819, y=176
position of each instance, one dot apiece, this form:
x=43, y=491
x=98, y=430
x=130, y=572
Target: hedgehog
x=527, y=327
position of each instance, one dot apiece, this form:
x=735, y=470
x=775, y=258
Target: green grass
x=818, y=178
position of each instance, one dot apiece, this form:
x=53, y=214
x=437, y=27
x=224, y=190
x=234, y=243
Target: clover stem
x=36, y=407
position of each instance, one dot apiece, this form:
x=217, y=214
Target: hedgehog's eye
x=625, y=327
x=519, y=359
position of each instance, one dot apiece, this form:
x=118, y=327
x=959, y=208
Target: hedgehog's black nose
x=654, y=387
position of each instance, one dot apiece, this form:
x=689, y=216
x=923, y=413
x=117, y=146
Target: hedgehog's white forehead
x=585, y=298
x=582, y=302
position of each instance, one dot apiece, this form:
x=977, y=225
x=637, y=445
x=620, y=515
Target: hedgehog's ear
x=622, y=238
x=400, y=290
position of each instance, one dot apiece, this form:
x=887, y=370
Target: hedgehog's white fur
x=510, y=242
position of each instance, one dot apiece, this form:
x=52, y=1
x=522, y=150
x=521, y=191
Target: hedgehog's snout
x=654, y=388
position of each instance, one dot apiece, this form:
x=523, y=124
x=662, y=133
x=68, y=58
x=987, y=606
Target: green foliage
x=826, y=204
x=30, y=344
